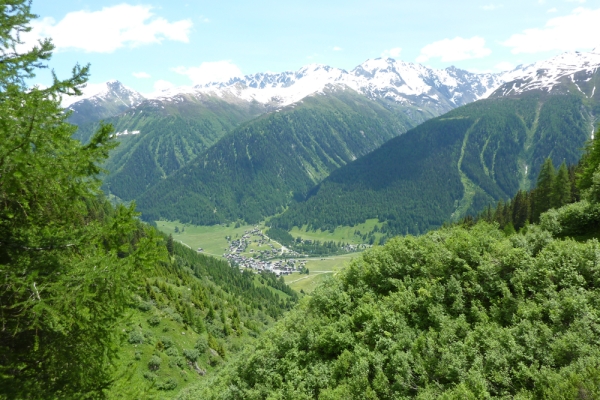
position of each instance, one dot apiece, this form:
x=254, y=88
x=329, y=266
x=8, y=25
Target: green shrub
x=166, y=341
x=136, y=337
x=150, y=376
x=201, y=345
x=154, y=320
x=191, y=354
x=168, y=384
x=572, y=220
x=154, y=363
x=144, y=305
x=172, y=351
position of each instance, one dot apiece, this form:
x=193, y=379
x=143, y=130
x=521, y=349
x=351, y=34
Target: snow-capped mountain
x=419, y=91
x=558, y=74
x=101, y=101
x=398, y=82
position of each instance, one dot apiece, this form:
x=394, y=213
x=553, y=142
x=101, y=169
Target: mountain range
x=256, y=145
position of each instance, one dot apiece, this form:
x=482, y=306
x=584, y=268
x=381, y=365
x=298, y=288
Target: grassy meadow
x=212, y=240
x=340, y=234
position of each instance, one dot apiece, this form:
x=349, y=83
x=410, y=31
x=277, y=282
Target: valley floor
x=243, y=242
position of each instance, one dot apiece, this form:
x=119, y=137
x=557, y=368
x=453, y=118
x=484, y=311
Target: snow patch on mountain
x=549, y=74
x=112, y=92
x=400, y=82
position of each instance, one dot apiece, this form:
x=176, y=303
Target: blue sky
x=152, y=44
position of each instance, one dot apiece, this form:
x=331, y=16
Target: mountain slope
x=255, y=171
x=458, y=313
x=101, y=102
x=159, y=137
x=451, y=165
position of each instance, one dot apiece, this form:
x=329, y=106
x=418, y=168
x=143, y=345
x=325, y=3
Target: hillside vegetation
x=449, y=166
x=188, y=317
x=169, y=135
x=256, y=171
x=463, y=312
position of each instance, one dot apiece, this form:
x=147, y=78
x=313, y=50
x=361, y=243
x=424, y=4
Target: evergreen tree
x=170, y=244
x=65, y=269
x=544, y=192
x=562, y=187
x=589, y=162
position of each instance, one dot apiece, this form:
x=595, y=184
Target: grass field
x=319, y=269
x=210, y=238
x=340, y=234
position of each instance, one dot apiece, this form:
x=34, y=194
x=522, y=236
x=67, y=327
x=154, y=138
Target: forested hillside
x=157, y=138
x=465, y=312
x=256, y=170
x=450, y=166
x=187, y=317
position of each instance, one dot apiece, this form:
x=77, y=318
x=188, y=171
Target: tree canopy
x=67, y=258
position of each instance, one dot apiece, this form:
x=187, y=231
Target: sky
x=150, y=45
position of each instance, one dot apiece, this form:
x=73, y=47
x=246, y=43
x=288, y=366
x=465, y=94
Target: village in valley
x=256, y=251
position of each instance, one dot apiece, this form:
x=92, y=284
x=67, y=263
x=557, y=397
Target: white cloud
x=161, y=85
x=552, y=10
x=336, y=48
x=570, y=32
x=492, y=7
x=576, y=1
x=393, y=52
x=504, y=66
x=109, y=29
x=455, y=49
x=141, y=75
x=218, y=71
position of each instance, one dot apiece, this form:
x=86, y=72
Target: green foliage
x=590, y=162
x=154, y=363
x=448, y=167
x=562, y=187
x=544, y=194
x=263, y=165
x=456, y=313
x=171, y=135
x=67, y=257
x=136, y=337
x=191, y=354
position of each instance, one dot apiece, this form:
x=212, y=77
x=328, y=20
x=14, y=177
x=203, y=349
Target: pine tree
x=589, y=162
x=170, y=244
x=65, y=271
x=562, y=187
x=544, y=192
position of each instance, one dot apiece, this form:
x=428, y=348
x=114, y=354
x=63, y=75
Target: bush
x=572, y=220
x=167, y=342
x=168, y=384
x=144, y=305
x=150, y=376
x=172, y=351
x=154, y=320
x=191, y=354
x=136, y=337
x=201, y=345
x=177, y=362
x=154, y=363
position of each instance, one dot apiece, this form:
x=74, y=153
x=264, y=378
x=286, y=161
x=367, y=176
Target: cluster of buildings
x=237, y=247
